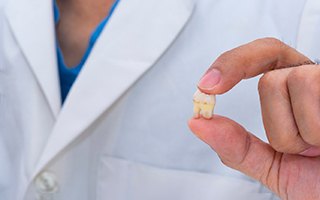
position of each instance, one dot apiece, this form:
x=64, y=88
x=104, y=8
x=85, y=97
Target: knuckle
x=306, y=77
x=297, y=76
x=270, y=41
x=267, y=83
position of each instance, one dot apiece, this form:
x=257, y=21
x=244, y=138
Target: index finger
x=247, y=61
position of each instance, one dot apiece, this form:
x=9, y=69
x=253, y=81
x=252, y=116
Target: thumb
x=239, y=149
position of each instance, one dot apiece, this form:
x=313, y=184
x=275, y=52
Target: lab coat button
x=46, y=182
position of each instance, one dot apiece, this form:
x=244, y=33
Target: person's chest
x=146, y=123
x=158, y=98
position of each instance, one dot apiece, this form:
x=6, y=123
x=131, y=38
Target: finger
x=239, y=149
x=247, y=61
x=304, y=89
x=278, y=118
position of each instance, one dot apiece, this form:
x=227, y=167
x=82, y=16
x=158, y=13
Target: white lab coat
x=122, y=133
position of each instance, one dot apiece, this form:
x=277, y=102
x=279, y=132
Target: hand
x=290, y=102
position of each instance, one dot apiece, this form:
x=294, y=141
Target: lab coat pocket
x=120, y=179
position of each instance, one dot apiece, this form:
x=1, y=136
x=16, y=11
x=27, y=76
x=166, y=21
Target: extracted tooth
x=203, y=105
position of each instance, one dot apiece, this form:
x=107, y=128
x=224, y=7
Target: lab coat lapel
x=136, y=36
x=32, y=25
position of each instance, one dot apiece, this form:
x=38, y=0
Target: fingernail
x=210, y=80
x=311, y=152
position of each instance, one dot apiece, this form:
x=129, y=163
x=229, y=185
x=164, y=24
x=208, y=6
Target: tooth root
x=207, y=115
x=203, y=105
x=196, y=115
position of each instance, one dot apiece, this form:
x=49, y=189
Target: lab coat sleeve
x=308, y=35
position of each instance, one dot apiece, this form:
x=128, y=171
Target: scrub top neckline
x=68, y=75
x=93, y=38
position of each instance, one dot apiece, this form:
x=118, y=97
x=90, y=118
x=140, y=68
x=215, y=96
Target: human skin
x=78, y=19
x=289, y=95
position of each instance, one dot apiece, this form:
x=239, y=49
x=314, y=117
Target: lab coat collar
x=32, y=24
x=136, y=36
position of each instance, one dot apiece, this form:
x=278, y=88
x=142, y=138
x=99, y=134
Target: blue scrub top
x=68, y=75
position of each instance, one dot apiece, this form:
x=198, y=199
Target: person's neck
x=78, y=18
x=86, y=8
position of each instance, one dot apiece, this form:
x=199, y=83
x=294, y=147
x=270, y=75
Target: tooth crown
x=203, y=105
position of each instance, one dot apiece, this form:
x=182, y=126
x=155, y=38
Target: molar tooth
x=196, y=109
x=196, y=96
x=212, y=100
x=207, y=99
x=203, y=105
x=202, y=97
x=207, y=114
x=196, y=104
